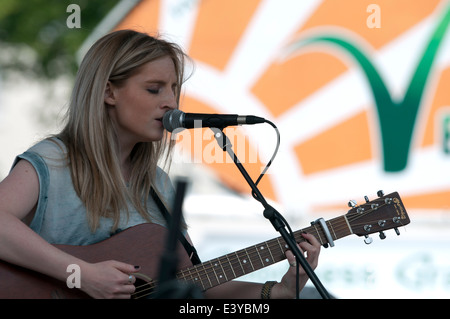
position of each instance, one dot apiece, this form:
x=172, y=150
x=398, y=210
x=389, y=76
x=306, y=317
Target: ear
x=110, y=98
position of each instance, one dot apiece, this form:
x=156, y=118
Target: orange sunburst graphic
x=318, y=95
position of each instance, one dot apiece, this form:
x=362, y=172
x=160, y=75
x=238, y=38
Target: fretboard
x=228, y=267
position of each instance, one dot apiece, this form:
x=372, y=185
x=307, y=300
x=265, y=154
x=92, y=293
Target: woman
x=94, y=178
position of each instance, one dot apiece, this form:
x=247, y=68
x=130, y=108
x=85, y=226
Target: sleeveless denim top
x=60, y=216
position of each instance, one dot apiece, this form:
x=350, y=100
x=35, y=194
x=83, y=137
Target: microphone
x=174, y=119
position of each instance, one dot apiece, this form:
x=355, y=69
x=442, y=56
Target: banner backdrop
x=359, y=90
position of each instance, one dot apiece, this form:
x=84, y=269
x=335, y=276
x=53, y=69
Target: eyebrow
x=160, y=82
x=155, y=82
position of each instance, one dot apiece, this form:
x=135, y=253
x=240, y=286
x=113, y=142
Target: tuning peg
x=382, y=235
x=368, y=240
x=351, y=203
x=397, y=231
x=366, y=199
x=380, y=193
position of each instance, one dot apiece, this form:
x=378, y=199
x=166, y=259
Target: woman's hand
x=108, y=279
x=287, y=288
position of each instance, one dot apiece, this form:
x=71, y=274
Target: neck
x=124, y=152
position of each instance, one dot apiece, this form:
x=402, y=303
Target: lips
x=160, y=121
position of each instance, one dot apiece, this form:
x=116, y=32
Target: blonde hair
x=89, y=133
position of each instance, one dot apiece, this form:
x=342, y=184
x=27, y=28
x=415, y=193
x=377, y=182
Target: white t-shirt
x=60, y=216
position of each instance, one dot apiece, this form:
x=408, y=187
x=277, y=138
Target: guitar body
x=140, y=245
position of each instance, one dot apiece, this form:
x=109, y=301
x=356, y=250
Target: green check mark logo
x=396, y=118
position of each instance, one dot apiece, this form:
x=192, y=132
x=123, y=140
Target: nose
x=171, y=101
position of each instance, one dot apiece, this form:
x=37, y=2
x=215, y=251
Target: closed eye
x=153, y=91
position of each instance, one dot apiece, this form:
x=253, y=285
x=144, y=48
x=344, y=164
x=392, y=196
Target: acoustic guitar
x=144, y=244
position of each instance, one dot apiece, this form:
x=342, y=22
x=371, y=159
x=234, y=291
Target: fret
x=199, y=279
x=348, y=224
x=275, y=250
x=223, y=270
x=222, y=277
x=262, y=254
x=332, y=229
x=239, y=260
x=195, y=277
x=281, y=250
x=226, y=268
x=190, y=275
x=213, y=267
x=267, y=254
x=246, y=261
x=249, y=259
x=231, y=266
x=279, y=244
x=298, y=234
x=337, y=225
x=270, y=252
x=318, y=235
x=257, y=251
x=210, y=284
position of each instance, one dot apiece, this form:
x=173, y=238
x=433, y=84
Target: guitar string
x=235, y=259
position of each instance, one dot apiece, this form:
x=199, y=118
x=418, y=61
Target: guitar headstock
x=383, y=213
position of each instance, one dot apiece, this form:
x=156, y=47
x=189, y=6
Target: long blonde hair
x=89, y=133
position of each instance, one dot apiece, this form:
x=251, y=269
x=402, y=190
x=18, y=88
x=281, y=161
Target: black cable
x=297, y=288
x=271, y=159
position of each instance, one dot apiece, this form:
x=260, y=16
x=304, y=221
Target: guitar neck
x=228, y=267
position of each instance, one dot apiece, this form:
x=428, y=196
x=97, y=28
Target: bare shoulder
x=19, y=191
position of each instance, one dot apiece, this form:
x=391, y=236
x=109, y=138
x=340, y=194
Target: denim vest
x=60, y=216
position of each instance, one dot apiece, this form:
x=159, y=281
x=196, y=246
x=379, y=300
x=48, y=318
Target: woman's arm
x=20, y=245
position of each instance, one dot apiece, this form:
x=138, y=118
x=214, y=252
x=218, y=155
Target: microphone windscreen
x=172, y=120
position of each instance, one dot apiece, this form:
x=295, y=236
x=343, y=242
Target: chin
x=155, y=137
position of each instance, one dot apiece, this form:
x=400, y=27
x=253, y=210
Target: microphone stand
x=270, y=213
x=169, y=286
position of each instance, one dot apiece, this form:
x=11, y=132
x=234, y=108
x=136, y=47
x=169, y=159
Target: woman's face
x=137, y=106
